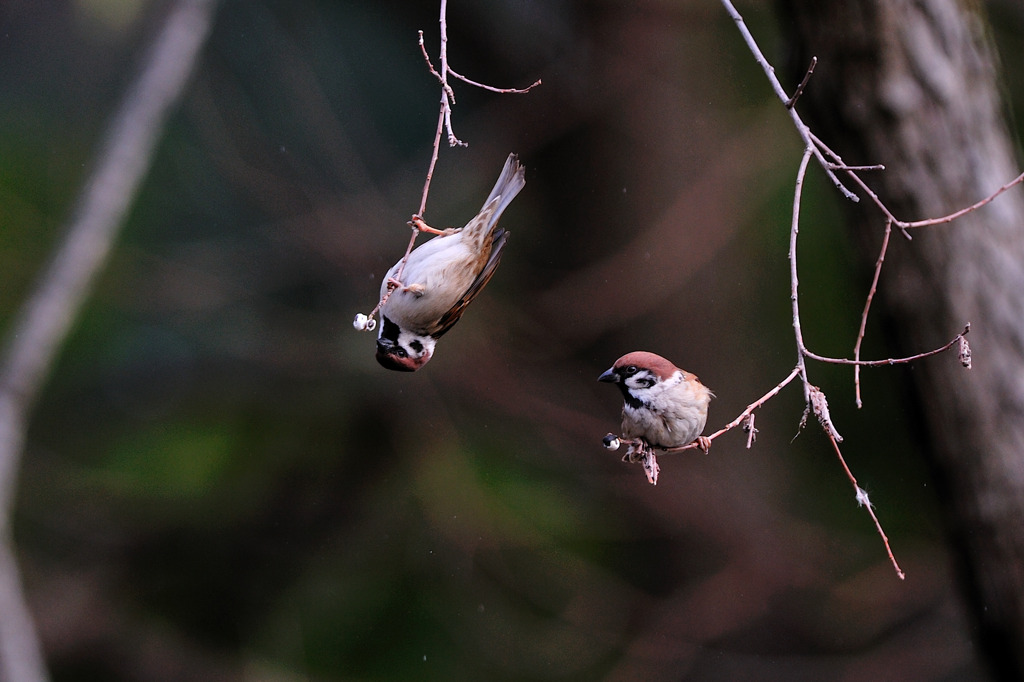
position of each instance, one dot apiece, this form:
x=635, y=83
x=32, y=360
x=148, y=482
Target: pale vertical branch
x=794, y=276
x=867, y=308
x=42, y=325
x=21, y=656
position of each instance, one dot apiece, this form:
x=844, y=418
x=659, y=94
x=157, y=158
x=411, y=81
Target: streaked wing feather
x=448, y=320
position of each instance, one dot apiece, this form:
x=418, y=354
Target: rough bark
x=913, y=84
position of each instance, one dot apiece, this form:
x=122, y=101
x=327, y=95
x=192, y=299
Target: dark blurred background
x=221, y=483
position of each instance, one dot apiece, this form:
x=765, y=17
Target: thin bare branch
x=964, y=211
x=500, y=91
x=794, y=277
x=791, y=102
x=867, y=308
x=749, y=411
x=843, y=167
x=864, y=501
x=769, y=71
x=890, y=361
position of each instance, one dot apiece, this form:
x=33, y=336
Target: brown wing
x=448, y=320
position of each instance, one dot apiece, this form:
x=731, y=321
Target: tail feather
x=511, y=180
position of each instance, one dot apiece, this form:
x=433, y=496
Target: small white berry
x=612, y=442
x=362, y=322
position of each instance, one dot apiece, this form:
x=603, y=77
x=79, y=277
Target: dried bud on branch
x=965, y=353
x=820, y=406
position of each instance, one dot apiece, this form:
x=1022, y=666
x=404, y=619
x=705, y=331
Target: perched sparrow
x=664, y=406
x=441, y=278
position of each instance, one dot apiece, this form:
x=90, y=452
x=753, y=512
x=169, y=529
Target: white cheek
x=426, y=344
x=636, y=386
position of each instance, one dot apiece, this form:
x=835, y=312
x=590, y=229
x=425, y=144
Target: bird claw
x=704, y=443
x=640, y=452
x=651, y=467
x=415, y=289
x=417, y=224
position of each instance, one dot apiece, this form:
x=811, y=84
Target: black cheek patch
x=416, y=346
x=632, y=400
x=389, y=330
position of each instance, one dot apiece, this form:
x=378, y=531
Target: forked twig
x=444, y=123
x=769, y=71
x=444, y=119
x=815, y=400
x=791, y=102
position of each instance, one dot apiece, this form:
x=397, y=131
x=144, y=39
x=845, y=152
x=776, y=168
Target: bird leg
x=417, y=224
x=640, y=451
x=415, y=289
x=704, y=443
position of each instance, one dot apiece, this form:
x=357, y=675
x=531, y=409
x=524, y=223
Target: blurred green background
x=220, y=483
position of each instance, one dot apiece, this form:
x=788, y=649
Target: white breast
x=440, y=271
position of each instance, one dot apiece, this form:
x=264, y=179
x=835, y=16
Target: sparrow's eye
x=400, y=352
x=630, y=370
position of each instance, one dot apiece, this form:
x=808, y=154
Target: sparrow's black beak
x=610, y=377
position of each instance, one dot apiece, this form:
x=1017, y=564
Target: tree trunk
x=912, y=84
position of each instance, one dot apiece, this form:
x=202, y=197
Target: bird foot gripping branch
x=644, y=454
x=665, y=408
x=390, y=351
x=419, y=225
x=641, y=452
x=427, y=291
x=367, y=323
